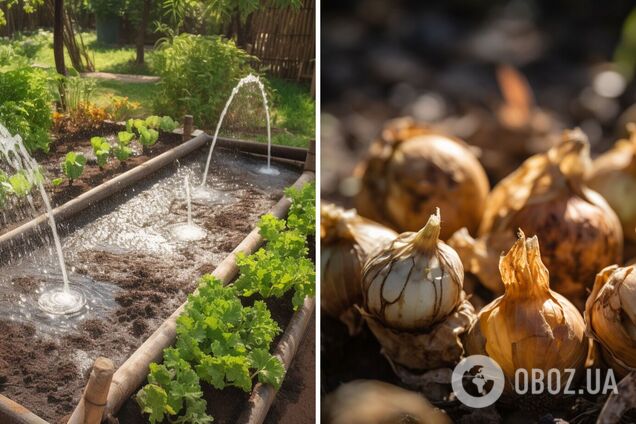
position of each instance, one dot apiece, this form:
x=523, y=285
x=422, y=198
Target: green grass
x=105, y=58
x=135, y=92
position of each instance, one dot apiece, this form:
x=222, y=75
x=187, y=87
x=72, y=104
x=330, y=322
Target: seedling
x=102, y=149
x=147, y=137
x=73, y=166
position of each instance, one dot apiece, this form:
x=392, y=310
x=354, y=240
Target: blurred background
x=503, y=75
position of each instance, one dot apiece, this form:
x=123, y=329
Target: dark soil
x=92, y=175
x=47, y=374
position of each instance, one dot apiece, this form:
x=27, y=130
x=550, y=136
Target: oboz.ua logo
x=478, y=381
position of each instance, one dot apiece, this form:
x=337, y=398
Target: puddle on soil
x=136, y=221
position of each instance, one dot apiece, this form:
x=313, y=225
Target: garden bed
x=138, y=285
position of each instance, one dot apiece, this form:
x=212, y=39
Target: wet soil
x=92, y=176
x=47, y=372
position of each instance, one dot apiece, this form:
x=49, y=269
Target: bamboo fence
x=285, y=40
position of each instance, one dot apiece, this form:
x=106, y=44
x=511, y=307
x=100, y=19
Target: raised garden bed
x=44, y=366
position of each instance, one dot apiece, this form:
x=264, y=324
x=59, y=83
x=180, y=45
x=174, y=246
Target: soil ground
x=46, y=374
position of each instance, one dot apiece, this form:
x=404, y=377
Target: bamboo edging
x=263, y=395
x=13, y=413
x=90, y=409
x=132, y=373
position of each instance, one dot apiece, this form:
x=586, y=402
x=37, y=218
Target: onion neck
x=426, y=239
x=522, y=271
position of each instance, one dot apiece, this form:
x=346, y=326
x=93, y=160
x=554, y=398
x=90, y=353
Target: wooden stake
x=91, y=407
x=188, y=126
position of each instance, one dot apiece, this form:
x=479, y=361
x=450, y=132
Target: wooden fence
x=285, y=40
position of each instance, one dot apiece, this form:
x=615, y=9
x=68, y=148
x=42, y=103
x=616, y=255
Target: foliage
x=302, y=213
x=121, y=108
x=165, y=123
x=147, y=136
x=102, y=149
x=220, y=342
x=107, y=7
x=73, y=166
x=25, y=106
x=283, y=264
x=29, y=6
x=122, y=150
x=21, y=49
x=197, y=75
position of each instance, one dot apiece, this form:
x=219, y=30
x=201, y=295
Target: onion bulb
x=411, y=170
x=613, y=175
x=376, y=402
x=529, y=326
x=610, y=313
x=546, y=196
x=347, y=240
x=413, y=299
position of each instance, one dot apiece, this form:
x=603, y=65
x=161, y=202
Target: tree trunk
x=58, y=36
x=141, y=36
x=243, y=32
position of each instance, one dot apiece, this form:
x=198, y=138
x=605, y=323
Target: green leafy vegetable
x=168, y=124
x=220, y=342
x=101, y=148
x=73, y=166
x=153, y=121
x=148, y=137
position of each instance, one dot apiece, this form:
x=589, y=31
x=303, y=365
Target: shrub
x=25, y=106
x=197, y=75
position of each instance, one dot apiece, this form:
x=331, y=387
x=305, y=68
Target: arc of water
x=188, y=199
x=12, y=148
x=248, y=79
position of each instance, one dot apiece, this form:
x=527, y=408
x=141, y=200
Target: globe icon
x=477, y=381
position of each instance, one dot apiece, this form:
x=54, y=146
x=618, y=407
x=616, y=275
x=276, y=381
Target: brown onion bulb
x=529, y=326
x=413, y=299
x=546, y=196
x=377, y=402
x=610, y=314
x=613, y=175
x=346, y=240
x=412, y=170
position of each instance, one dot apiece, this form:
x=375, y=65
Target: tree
x=58, y=36
x=141, y=36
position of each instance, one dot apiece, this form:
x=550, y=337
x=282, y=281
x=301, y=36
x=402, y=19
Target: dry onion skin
x=414, y=301
x=411, y=170
x=346, y=241
x=578, y=231
x=610, y=314
x=613, y=175
x=529, y=326
x=376, y=402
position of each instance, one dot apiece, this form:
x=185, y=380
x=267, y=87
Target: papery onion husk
x=610, y=314
x=346, y=241
x=529, y=326
x=578, y=231
x=377, y=402
x=413, y=299
x=613, y=175
x=412, y=170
